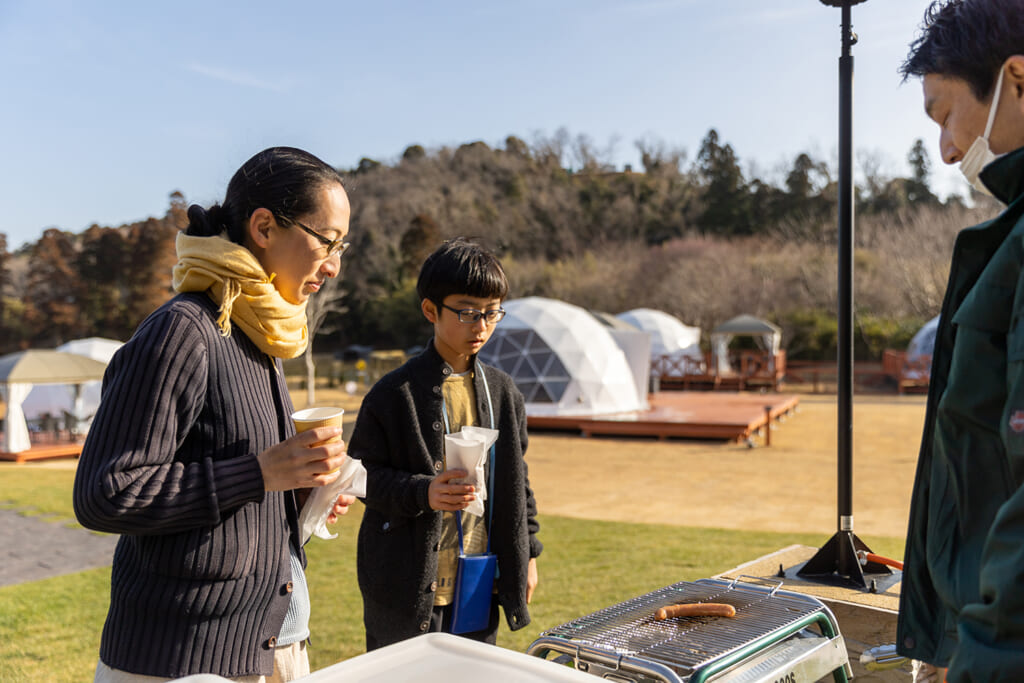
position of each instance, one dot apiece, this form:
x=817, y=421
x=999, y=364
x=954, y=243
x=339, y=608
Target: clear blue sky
x=107, y=107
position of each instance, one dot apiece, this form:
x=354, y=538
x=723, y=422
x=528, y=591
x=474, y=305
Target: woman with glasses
x=193, y=457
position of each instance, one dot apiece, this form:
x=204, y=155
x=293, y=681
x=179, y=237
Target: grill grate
x=687, y=643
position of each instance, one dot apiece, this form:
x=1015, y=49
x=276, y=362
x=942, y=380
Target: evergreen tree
x=726, y=196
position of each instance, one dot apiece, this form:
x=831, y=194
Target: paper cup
x=309, y=418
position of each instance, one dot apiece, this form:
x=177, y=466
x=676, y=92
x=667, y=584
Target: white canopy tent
x=766, y=335
x=563, y=360
x=20, y=370
x=80, y=400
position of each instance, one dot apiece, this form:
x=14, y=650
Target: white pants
x=290, y=662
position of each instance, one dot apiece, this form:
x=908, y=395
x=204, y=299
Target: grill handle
x=545, y=644
x=771, y=591
x=827, y=629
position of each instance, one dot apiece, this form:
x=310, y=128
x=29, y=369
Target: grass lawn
x=50, y=629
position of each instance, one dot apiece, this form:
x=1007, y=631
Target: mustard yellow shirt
x=459, y=396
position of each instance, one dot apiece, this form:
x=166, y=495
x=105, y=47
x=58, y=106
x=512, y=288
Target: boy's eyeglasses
x=471, y=315
x=337, y=246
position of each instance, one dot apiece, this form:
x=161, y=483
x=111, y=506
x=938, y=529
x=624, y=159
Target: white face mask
x=980, y=155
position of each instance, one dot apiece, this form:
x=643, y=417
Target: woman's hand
x=340, y=508
x=303, y=461
x=450, y=497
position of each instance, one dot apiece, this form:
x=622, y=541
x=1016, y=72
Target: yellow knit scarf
x=237, y=281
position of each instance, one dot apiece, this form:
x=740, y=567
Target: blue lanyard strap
x=490, y=479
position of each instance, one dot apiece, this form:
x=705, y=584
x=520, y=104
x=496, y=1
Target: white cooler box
x=440, y=658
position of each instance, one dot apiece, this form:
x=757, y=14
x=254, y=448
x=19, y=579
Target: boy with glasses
x=409, y=540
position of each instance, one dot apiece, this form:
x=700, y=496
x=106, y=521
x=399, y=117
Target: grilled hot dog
x=695, y=609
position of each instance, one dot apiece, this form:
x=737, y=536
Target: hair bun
x=205, y=222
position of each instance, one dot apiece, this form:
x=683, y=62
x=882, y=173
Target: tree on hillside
x=7, y=344
x=106, y=270
x=918, y=191
x=726, y=196
x=52, y=314
x=152, y=244
x=329, y=301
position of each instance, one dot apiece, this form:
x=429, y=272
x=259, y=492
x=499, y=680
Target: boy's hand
x=450, y=497
x=532, y=579
x=340, y=508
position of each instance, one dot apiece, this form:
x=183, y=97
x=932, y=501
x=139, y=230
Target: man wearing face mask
x=962, y=597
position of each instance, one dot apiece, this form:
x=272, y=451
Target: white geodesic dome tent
x=670, y=337
x=923, y=341
x=668, y=333
x=921, y=347
x=563, y=360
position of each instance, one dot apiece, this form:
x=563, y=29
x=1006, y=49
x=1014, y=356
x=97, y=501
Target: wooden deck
x=730, y=416
x=45, y=451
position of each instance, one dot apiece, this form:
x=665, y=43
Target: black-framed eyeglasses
x=337, y=246
x=471, y=315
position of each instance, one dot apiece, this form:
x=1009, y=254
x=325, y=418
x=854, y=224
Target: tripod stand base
x=836, y=563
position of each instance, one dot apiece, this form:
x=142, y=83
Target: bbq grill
x=776, y=636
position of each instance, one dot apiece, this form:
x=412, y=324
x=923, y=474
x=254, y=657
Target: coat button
x=387, y=525
x=272, y=642
x=436, y=426
x=424, y=625
x=437, y=390
x=433, y=586
x=437, y=546
x=437, y=466
x=446, y=371
x=909, y=642
x=289, y=587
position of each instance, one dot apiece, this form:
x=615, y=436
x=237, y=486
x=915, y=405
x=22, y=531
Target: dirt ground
x=789, y=486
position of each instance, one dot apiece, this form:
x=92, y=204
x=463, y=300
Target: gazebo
x=751, y=368
x=20, y=370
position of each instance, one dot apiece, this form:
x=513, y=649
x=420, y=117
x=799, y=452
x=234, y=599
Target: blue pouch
x=474, y=591
x=474, y=574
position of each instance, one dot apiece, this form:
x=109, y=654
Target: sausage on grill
x=695, y=609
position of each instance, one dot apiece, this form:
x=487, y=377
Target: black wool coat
x=399, y=436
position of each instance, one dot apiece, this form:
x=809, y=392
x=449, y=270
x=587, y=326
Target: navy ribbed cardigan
x=201, y=572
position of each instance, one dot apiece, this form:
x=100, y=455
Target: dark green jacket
x=962, y=598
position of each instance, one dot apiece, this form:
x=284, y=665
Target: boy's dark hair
x=461, y=267
x=967, y=39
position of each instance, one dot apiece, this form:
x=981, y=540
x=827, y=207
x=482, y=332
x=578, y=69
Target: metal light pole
x=836, y=561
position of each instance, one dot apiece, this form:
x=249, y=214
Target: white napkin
x=467, y=450
x=313, y=518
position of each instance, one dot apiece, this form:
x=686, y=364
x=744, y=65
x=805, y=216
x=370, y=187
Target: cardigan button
x=289, y=587
x=437, y=466
x=424, y=625
x=437, y=547
x=436, y=426
x=387, y=525
x=433, y=586
x=446, y=371
x=437, y=390
x=909, y=642
x=271, y=642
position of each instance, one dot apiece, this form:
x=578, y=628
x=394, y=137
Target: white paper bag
x=467, y=450
x=313, y=518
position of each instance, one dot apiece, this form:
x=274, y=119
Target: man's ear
x=429, y=310
x=258, y=229
x=1015, y=73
